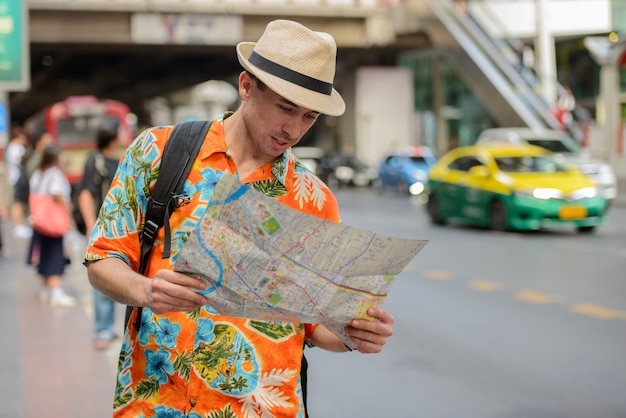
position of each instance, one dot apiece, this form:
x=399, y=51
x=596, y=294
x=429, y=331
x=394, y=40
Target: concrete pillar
x=610, y=141
x=608, y=109
x=545, y=54
x=438, y=104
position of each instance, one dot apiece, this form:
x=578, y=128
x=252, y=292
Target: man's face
x=273, y=122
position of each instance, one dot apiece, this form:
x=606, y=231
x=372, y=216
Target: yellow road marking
x=538, y=298
x=484, y=286
x=438, y=275
x=531, y=296
x=596, y=311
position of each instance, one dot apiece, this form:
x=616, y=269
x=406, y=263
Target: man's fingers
x=381, y=325
x=367, y=347
x=162, y=302
x=181, y=279
x=371, y=335
x=381, y=315
x=171, y=291
x=174, y=305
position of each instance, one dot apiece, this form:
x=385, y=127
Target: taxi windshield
x=563, y=144
x=529, y=164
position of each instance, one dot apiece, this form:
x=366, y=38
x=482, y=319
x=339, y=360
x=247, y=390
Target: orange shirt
x=199, y=364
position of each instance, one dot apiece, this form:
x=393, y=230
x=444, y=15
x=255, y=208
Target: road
x=488, y=325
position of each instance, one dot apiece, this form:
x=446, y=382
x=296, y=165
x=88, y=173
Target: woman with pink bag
x=49, y=187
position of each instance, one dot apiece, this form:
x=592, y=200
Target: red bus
x=74, y=124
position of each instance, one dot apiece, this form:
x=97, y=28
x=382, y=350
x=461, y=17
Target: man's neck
x=246, y=157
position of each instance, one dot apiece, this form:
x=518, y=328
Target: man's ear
x=245, y=85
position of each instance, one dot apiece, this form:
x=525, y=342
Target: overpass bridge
x=132, y=50
x=136, y=50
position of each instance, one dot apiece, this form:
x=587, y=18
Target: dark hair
x=37, y=137
x=32, y=145
x=105, y=137
x=259, y=84
x=17, y=130
x=49, y=157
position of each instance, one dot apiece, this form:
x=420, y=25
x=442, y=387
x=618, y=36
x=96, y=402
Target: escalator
x=511, y=98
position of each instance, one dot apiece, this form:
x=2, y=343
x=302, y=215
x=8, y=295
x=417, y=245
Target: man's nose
x=291, y=128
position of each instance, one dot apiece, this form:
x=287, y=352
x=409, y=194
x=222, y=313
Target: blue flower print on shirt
x=125, y=379
x=205, y=187
x=165, y=412
x=148, y=328
x=166, y=333
x=159, y=365
x=204, y=332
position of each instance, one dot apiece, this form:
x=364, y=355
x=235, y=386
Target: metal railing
x=498, y=59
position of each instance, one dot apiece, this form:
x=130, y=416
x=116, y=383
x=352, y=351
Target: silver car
x=564, y=146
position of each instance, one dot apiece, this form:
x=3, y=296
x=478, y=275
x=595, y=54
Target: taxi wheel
x=586, y=229
x=434, y=210
x=498, y=215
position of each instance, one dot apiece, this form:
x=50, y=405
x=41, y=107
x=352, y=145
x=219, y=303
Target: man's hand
x=171, y=291
x=371, y=335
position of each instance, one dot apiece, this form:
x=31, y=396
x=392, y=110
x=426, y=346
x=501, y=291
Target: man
x=98, y=174
x=185, y=358
x=13, y=156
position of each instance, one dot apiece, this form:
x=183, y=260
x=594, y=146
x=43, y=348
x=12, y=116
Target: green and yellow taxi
x=512, y=187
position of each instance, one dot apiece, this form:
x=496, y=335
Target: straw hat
x=296, y=63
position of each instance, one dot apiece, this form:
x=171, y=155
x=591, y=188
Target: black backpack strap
x=178, y=156
x=175, y=165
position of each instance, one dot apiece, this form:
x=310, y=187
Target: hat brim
x=332, y=104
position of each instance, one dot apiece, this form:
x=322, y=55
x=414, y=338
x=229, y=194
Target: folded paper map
x=264, y=260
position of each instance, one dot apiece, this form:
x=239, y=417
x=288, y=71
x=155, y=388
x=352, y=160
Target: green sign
x=14, y=71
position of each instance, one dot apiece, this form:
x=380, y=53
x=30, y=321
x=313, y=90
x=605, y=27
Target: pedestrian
x=186, y=359
x=565, y=105
x=47, y=252
x=98, y=174
x=14, y=154
x=41, y=141
x=30, y=162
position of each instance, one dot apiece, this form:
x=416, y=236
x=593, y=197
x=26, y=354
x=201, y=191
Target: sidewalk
x=48, y=366
x=620, y=200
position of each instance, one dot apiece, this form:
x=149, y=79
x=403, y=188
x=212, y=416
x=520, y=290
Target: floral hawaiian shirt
x=201, y=364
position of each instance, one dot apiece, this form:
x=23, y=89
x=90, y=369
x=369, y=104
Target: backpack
x=176, y=162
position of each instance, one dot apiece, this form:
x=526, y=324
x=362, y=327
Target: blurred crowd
x=32, y=166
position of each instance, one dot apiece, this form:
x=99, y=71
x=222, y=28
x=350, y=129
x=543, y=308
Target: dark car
x=315, y=159
x=406, y=171
x=348, y=170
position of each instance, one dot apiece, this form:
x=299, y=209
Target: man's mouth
x=281, y=142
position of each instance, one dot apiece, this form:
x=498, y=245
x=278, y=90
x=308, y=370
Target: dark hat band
x=292, y=76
